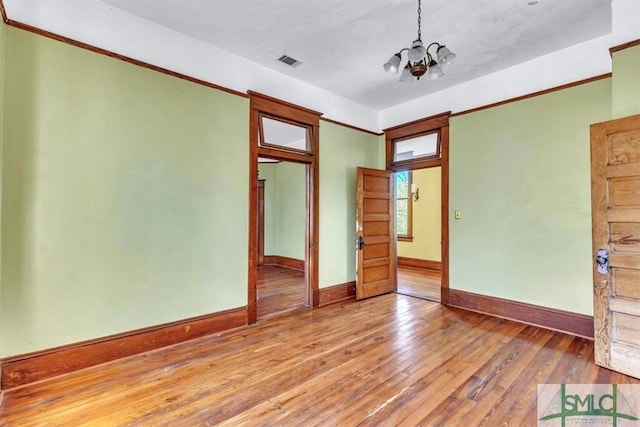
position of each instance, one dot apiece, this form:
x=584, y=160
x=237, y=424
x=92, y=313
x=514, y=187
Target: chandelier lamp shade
x=420, y=60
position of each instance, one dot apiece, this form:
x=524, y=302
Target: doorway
x=419, y=233
x=281, y=286
x=412, y=147
x=288, y=133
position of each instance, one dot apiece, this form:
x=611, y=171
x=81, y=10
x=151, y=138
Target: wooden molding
x=283, y=261
x=419, y=263
x=335, y=122
x=534, y=94
x=420, y=125
x=337, y=293
x=3, y=12
x=624, y=46
x=549, y=318
x=27, y=368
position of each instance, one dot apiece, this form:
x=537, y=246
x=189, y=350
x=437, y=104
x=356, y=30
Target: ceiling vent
x=289, y=61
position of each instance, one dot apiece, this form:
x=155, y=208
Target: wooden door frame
x=438, y=122
x=275, y=108
x=260, y=221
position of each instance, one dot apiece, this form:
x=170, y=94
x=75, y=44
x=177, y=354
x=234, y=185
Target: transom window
x=426, y=146
x=284, y=135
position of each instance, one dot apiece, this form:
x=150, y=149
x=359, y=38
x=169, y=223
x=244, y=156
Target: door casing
x=439, y=122
x=263, y=104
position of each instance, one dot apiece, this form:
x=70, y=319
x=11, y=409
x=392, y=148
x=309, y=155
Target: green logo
x=609, y=405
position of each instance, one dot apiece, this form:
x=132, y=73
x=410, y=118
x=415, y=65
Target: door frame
x=439, y=123
x=275, y=108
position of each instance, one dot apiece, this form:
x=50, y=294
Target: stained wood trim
x=419, y=263
x=624, y=46
x=549, y=318
x=444, y=213
x=534, y=94
x=335, y=122
x=260, y=103
x=337, y=293
x=438, y=122
x=3, y=12
x=417, y=126
x=283, y=109
x=283, y=261
x=27, y=368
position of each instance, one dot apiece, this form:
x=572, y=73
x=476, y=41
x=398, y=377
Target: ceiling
x=342, y=44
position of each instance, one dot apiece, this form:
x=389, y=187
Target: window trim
x=262, y=141
x=409, y=236
x=436, y=156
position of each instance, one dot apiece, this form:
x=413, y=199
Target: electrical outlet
x=456, y=214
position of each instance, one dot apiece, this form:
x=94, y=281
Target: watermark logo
x=561, y=405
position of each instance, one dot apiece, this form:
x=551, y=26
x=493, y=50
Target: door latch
x=602, y=261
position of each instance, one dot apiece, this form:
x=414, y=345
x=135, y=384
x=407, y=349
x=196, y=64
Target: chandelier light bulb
x=393, y=64
x=445, y=56
x=417, y=51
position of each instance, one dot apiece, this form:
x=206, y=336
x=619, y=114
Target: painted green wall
x=341, y=150
x=267, y=171
x=2, y=49
x=285, y=205
x=124, y=197
x=626, y=82
x=427, y=225
x=520, y=175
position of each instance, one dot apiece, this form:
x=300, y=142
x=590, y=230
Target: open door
x=615, y=201
x=375, y=234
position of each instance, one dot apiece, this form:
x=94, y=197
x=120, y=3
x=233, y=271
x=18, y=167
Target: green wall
x=342, y=149
x=626, y=82
x=2, y=50
x=124, y=196
x=285, y=206
x=427, y=226
x=520, y=175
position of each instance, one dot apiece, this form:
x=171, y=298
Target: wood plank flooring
x=389, y=360
x=418, y=282
x=280, y=290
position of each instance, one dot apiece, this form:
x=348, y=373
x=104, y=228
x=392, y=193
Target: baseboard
x=419, y=263
x=337, y=293
x=558, y=320
x=31, y=367
x=283, y=261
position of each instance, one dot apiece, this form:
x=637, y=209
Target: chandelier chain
x=419, y=20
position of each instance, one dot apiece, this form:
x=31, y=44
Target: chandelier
x=419, y=60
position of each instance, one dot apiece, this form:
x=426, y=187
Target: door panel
x=375, y=234
x=615, y=200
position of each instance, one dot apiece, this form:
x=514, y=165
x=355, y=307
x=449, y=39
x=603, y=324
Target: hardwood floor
x=280, y=290
x=418, y=282
x=389, y=360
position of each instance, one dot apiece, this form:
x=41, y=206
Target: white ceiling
x=343, y=44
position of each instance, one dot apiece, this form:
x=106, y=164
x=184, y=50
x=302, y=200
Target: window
x=403, y=206
x=284, y=135
x=417, y=147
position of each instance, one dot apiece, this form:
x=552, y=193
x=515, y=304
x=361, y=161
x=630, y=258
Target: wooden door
x=615, y=200
x=375, y=234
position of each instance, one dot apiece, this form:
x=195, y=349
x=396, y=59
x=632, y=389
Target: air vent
x=289, y=61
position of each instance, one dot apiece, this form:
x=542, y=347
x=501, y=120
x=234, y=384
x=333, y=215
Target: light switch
x=456, y=214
